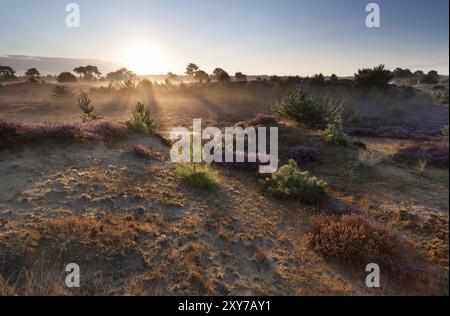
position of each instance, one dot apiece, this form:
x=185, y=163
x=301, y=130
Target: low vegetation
x=198, y=176
x=356, y=240
x=435, y=154
x=334, y=135
x=297, y=106
x=291, y=182
x=141, y=120
x=89, y=113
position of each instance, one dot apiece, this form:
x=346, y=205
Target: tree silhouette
x=334, y=78
x=201, y=76
x=221, y=75
x=240, y=76
x=431, y=77
x=66, y=77
x=32, y=74
x=191, y=69
x=375, y=77
x=88, y=72
x=7, y=73
x=400, y=73
x=122, y=74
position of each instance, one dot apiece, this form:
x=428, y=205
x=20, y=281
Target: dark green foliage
x=291, y=182
x=301, y=108
x=376, y=77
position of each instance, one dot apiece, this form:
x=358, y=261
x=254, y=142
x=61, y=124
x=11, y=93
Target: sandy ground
x=135, y=229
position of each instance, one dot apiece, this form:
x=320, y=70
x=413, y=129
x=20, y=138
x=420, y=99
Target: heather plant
x=142, y=151
x=303, y=154
x=89, y=113
x=355, y=240
x=334, y=135
x=141, y=120
x=291, y=182
x=435, y=154
x=301, y=108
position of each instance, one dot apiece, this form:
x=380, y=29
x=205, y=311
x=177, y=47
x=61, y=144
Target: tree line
x=378, y=76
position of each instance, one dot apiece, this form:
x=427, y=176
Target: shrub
x=88, y=110
x=141, y=120
x=334, y=135
x=197, y=176
x=355, y=240
x=435, y=154
x=12, y=134
x=61, y=92
x=142, y=151
x=303, y=154
x=369, y=158
x=445, y=131
x=376, y=77
x=290, y=182
x=299, y=107
x=441, y=95
x=432, y=77
x=66, y=77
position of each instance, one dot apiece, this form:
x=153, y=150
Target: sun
x=145, y=58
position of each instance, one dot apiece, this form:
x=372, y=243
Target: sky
x=284, y=37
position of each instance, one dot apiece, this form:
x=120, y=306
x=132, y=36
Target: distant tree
x=374, y=77
x=240, y=76
x=419, y=74
x=171, y=76
x=318, y=80
x=122, y=74
x=201, y=76
x=32, y=74
x=274, y=79
x=7, y=73
x=400, y=73
x=87, y=72
x=191, y=69
x=221, y=75
x=334, y=78
x=431, y=77
x=66, y=77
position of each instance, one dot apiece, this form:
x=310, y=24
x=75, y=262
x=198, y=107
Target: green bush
x=291, y=182
x=141, y=120
x=88, y=111
x=301, y=108
x=334, y=135
x=197, y=176
x=378, y=77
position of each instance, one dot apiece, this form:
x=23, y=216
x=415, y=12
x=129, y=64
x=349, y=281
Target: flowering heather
x=12, y=134
x=264, y=120
x=303, y=154
x=246, y=165
x=356, y=240
x=435, y=154
x=142, y=151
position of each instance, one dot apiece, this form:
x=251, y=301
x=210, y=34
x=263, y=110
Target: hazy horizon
x=301, y=37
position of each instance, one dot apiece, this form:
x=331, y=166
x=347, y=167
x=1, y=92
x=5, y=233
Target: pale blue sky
x=254, y=36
